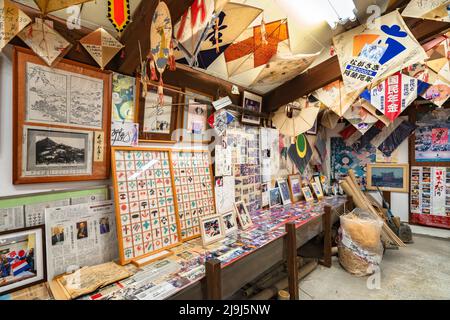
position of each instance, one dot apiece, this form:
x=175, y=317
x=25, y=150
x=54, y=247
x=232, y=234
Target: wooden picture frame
x=307, y=194
x=251, y=101
x=61, y=119
x=152, y=95
x=390, y=171
x=212, y=229
x=245, y=220
x=124, y=201
x=317, y=190
x=229, y=222
x=20, y=263
x=191, y=137
x=275, y=197
x=284, y=191
x=295, y=187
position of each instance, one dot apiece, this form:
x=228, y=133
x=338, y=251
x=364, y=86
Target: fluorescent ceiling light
x=315, y=11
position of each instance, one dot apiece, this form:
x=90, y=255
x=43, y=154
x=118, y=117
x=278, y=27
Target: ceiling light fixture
x=334, y=12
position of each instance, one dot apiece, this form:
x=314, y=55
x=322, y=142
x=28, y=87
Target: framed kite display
x=157, y=122
x=194, y=189
x=61, y=121
x=145, y=202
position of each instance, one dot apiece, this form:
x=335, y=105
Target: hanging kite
x=102, y=46
x=360, y=117
x=430, y=10
x=253, y=50
x=45, y=41
x=335, y=97
x=12, y=21
x=393, y=95
x=300, y=152
x=160, y=44
x=119, y=14
x=229, y=24
x=47, y=6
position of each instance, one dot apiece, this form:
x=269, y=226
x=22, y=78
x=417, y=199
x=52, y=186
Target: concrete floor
x=419, y=271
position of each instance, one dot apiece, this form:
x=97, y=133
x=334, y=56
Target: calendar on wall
x=194, y=189
x=430, y=196
x=145, y=202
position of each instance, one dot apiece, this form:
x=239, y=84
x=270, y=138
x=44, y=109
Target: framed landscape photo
x=295, y=187
x=157, y=122
x=251, y=102
x=388, y=177
x=244, y=217
x=284, y=191
x=61, y=121
x=275, y=197
x=197, y=109
x=22, y=259
x=229, y=222
x=212, y=229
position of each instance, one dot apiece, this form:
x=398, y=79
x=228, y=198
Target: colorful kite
x=101, y=46
x=369, y=55
x=47, y=6
x=336, y=98
x=12, y=21
x=360, y=117
x=300, y=152
x=253, y=49
x=119, y=14
x=393, y=95
x=45, y=41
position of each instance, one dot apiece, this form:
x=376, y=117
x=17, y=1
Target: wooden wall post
x=292, y=268
x=349, y=205
x=213, y=279
x=326, y=223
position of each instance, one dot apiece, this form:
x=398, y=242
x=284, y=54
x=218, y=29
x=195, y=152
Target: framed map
x=61, y=121
x=145, y=202
x=194, y=188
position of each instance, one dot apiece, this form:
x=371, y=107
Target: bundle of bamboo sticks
x=352, y=188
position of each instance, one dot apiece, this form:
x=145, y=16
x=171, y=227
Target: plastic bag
x=360, y=249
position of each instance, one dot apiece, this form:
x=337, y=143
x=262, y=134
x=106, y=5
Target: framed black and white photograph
x=22, y=259
x=56, y=152
x=251, y=102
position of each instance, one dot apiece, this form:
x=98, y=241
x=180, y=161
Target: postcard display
x=430, y=196
x=148, y=217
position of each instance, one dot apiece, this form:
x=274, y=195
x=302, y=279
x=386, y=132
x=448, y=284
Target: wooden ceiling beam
x=329, y=70
x=139, y=32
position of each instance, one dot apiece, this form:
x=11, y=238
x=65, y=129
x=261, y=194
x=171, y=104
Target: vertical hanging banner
x=12, y=21
x=392, y=96
x=438, y=191
x=119, y=14
x=369, y=53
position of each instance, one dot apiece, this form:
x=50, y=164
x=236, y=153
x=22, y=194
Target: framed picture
x=123, y=98
x=265, y=195
x=229, y=222
x=156, y=122
x=388, y=177
x=243, y=216
x=295, y=187
x=251, y=102
x=317, y=180
x=284, y=191
x=22, y=259
x=317, y=190
x=197, y=109
x=62, y=119
x=275, y=197
x=307, y=194
x=212, y=229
